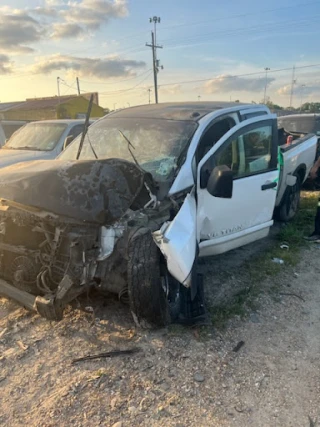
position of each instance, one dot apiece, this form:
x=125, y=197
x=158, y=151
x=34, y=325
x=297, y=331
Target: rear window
x=300, y=124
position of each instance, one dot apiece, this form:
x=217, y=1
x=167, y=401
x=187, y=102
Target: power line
x=236, y=31
x=242, y=15
x=126, y=90
x=239, y=75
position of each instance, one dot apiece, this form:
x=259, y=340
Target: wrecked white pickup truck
x=155, y=188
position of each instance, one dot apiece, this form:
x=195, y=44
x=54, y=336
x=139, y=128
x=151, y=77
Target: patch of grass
x=261, y=266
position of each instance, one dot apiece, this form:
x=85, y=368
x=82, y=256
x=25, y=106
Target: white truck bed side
x=300, y=155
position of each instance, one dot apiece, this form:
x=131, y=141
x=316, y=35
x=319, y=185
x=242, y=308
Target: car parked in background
x=40, y=140
x=7, y=128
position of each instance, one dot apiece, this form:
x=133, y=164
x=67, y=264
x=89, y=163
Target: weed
x=262, y=267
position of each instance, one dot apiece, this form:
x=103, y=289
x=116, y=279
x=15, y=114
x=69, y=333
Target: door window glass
x=248, y=154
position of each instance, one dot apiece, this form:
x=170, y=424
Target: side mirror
x=220, y=182
x=67, y=141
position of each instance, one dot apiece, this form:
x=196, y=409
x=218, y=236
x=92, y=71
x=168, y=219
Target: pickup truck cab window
x=248, y=154
x=212, y=135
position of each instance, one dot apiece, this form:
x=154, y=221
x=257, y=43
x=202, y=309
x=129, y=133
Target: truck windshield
x=155, y=143
x=36, y=136
x=303, y=124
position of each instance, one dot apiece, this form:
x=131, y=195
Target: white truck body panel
x=297, y=155
x=223, y=224
x=177, y=240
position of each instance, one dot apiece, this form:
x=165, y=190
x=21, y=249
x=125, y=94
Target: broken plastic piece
x=277, y=260
x=284, y=246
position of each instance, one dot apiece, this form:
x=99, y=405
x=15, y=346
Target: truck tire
x=147, y=295
x=290, y=202
x=156, y=298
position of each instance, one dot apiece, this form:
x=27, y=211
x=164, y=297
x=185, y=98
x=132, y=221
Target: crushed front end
x=44, y=256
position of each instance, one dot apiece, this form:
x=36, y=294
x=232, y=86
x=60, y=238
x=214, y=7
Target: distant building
x=48, y=108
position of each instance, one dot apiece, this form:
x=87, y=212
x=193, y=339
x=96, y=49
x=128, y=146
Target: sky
x=211, y=50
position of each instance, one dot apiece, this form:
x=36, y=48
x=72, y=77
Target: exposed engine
x=36, y=254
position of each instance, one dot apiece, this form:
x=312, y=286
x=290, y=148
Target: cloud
x=228, y=83
x=94, y=13
x=20, y=29
x=17, y=31
x=101, y=68
x=45, y=11
x=284, y=90
x=298, y=90
x=67, y=31
x=171, y=90
x=5, y=64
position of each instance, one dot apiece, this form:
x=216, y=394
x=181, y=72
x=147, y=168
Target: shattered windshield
x=302, y=124
x=155, y=143
x=36, y=136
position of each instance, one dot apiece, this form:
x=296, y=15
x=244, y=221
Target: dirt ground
x=180, y=377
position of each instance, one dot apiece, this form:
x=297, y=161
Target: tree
x=310, y=107
x=271, y=105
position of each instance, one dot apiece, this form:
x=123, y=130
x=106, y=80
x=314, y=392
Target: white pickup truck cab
x=238, y=176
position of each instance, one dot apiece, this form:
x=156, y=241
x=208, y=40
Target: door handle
x=268, y=186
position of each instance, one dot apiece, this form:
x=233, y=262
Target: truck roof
x=191, y=111
x=66, y=121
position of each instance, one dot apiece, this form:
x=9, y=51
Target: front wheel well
x=301, y=172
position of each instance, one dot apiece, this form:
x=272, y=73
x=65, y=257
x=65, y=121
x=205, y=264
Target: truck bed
x=298, y=158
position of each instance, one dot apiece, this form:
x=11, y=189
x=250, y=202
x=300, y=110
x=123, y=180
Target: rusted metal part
x=23, y=298
x=97, y=191
x=50, y=306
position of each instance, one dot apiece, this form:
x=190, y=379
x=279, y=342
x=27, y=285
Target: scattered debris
x=254, y=318
x=199, y=377
x=277, y=260
x=238, y=346
x=22, y=346
x=3, y=332
x=284, y=246
x=292, y=294
x=296, y=274
x=113, y=353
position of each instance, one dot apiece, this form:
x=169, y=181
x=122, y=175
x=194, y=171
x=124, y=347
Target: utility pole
x=58, y=84
x=266, y=84
x=293, y=82
x=155, y=61
x=149, y=92
x=78, y=86
x=301, y=90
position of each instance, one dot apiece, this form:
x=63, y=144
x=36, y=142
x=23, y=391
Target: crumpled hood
x=94, y=191
x=11, y=157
